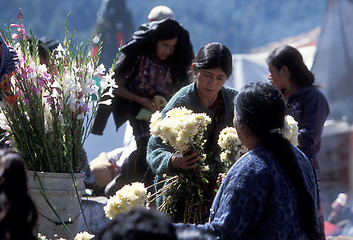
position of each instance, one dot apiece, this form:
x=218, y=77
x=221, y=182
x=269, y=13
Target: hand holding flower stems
x=188, y=160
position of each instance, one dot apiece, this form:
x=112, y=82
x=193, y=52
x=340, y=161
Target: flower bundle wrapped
x=232, y=148
x=47, y=109
x=128, y=197
x=290, y=130
x=183, y=130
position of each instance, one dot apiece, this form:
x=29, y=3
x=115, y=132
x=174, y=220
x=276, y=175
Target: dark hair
x=21, y=217
x=144, y=41
x=261, y=107
x=291, y=57
x=139, y=224
x=214, y=55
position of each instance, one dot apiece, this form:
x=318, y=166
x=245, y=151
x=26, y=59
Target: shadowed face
x=165, y=48
x=280, y=79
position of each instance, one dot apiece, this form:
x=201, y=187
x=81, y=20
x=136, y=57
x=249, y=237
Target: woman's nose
x=269, y=77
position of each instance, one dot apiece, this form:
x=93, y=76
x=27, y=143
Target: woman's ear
x=284, y=69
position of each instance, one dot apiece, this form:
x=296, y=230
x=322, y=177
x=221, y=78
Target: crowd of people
x=271, y=192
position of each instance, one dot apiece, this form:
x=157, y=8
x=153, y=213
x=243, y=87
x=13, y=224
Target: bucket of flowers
x=46, y=113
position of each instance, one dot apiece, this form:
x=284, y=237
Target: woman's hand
x=187, y=161
x=122, y=91
x=147, y=103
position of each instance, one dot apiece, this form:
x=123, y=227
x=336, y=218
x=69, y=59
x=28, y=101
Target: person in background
x=160, y=12
x=304, y=101
x=46, y=46
x=8, y=59
x=206, y=94
x=270, y=192
x=18, y=214
x=8, y=64
x=152, y=65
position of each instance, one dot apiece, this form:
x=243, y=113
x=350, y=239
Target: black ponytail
x=261, y=107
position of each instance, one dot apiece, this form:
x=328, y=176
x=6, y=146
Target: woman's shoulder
x=229, y=92
x=310, y=92
x=255, y=160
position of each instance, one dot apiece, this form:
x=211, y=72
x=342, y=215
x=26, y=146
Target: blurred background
x=321, y=29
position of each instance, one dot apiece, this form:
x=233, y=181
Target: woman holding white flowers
x=270, y=192
x=304, y=101
x=207, y=94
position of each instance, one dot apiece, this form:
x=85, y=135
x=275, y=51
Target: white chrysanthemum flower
x=232, y=148
x=180, y=127
x=128, y=197
x=83, y=236
x=290, y=130
x=41, y=237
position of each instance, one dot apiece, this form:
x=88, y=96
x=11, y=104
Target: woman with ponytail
x=270, y=192
x=304, y=102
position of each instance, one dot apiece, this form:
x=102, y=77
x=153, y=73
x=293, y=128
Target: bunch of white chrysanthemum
x=290, y=130
x=181, y=127
x=128, y=197
x=232, y=148
x=83, y=236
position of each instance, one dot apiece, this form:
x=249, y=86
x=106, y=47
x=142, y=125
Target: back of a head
x=261, y=107
x=160, y=12
x=214, y=55
x=22, y=213
x=292, y=58
x=12, y=170
x=139, y=224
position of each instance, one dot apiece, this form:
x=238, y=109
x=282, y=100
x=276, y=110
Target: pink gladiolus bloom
x=20, y=94
x=48, y=99
x=14, y=25
x=19, y=16
x=14, y=36
x=9, y=143
x=38, y=91
x=22, y=30
x=41, y=82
